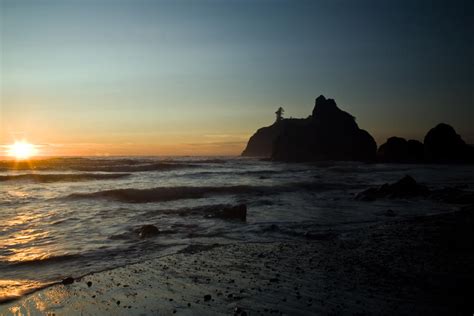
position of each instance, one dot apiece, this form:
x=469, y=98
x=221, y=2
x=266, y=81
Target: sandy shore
x=415, y=266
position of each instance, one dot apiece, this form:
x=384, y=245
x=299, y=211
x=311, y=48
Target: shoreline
x=410, y=266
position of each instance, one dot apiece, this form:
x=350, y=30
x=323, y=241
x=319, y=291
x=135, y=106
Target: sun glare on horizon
x=21, y=150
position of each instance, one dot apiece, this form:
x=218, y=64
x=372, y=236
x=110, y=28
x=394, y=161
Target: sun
x=21, y=150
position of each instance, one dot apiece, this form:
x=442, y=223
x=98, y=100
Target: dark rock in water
x=399, y=150
x=406, y=187
x=319, y=235
x=390, y=213
x=444, y=145
x=148, y=231
x=330, y=134
x=237, y=212
x=274, y=227
x=68, y=281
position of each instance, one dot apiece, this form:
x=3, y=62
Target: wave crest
x=163, y=194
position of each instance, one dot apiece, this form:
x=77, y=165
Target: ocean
x=66, y=217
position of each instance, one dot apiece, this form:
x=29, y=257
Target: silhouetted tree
x=279, y=114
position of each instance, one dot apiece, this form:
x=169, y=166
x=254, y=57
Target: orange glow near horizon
x=170, y=146
x=22, y=150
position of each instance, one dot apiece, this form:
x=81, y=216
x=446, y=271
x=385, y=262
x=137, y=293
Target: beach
x=421, y=265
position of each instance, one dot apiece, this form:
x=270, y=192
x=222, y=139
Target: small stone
x=68, y=281
x=207, y=297
x=148, y=231
x=89, y=284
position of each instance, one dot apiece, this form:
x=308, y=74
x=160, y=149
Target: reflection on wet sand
x=12, y=289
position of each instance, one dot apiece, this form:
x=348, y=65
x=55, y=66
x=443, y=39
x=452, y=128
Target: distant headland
x=333, y=134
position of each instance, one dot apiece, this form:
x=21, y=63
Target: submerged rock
x=406, y=187
x=237, y=212
x=148, y=231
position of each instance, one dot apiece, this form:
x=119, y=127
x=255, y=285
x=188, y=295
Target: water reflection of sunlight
x=19, y=194
x=45, y=303
x=25, y=244
x=22, y=246
x=10, y=289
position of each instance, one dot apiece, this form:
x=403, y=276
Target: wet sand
x=422, y=265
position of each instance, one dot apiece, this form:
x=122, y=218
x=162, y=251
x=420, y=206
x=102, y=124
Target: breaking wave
x=163, y=194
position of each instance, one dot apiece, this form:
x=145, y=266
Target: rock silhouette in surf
x=148, y=231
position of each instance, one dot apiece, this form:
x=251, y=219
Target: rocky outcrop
x=332, y=134
x=399, y=150
x=406, y=187
x=261, y=143
x=444, y=145
x=329, y=134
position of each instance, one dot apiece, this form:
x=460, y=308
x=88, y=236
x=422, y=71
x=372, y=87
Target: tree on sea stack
x=279, y=114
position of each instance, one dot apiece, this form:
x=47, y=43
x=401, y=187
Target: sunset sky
x=199, y=77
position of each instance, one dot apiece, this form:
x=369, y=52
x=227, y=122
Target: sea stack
x=399, y=150
x=329, y=134
x=444, y=145
x=261, y=143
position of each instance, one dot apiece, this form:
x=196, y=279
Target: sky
x=177, y=77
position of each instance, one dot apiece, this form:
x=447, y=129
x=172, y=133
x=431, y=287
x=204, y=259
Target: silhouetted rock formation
x=329, y=134
x=261, y=143
x=444, y=145
x=399, y=150
x=332, y=134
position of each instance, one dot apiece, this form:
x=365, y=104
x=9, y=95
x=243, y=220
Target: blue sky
x=199, y=77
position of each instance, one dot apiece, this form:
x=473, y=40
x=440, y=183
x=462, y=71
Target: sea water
x=73, y=216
